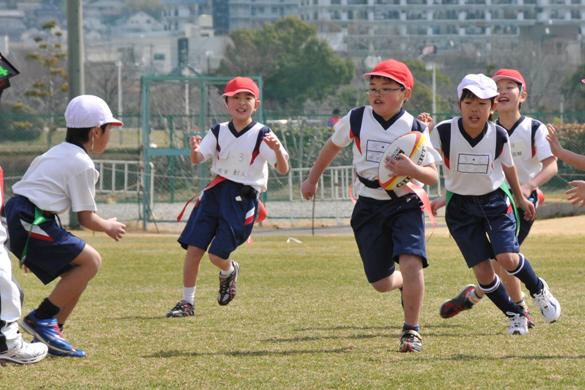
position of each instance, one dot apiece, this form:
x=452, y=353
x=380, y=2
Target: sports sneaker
x=25, y=353
x=227, y=286
x=47, y=331
x=410, y=341
x=76, y=353
x=456, y=305
x=518, y=324
x=547, y=303
x=182, y=309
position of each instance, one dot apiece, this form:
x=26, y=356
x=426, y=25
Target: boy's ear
x=257, y=104
x=523, y=96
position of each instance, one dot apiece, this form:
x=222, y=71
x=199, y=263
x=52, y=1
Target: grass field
x=304, y=318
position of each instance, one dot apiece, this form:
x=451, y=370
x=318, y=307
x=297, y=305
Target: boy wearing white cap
x=388, y=226
x=62, y=178
x=480, y=212
x=535, y=164
x=240, y=151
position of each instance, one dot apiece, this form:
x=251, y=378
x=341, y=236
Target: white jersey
x=240, y=157
x=529, y=147
x=62, y=178
x=371, y=136
x=473, y=166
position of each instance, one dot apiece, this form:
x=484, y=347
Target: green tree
x=49, y=90
x=295, y=64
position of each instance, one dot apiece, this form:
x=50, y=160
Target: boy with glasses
x=388, y=226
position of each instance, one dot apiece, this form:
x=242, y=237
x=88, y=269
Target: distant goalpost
x=172, y=109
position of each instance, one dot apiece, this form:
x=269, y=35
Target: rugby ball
x=412, y=145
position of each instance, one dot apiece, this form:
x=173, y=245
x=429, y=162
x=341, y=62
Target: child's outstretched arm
x=576, y=195
x=573, y=159
x=281, y=161
x=328, y=154
x=92, y=221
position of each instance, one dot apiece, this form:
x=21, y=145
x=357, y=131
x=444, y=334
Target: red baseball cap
x=241, y=84
x=395, y=70
x=511, y=74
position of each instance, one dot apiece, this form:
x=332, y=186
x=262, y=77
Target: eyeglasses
x=383, y=91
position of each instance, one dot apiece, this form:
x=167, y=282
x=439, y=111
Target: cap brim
x=501, y=77
x=382, y=74
x=114, y=122
x=232, y=93
x=480, y=93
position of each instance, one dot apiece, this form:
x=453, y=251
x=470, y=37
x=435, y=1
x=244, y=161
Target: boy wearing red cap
x=480, y=214
x=535, y=164
x=240, y=151
x=378, y=214
x=62, y=178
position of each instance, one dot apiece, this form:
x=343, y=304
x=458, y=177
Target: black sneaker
x=410, y=341
x=454, y=306
x=227, y=286
x=182, y=309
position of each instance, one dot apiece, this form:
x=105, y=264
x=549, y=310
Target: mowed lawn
x=304, y=318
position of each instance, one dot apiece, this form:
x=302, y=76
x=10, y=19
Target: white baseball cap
x=88, y=111
x=480, y=85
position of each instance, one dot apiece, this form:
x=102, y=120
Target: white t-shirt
x=371, y=138
x=240, y=157
x=472, y=166
x=62, y=178
x=529, y=147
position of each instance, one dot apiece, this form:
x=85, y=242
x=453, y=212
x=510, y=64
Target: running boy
x=240, y=151
x=12, y=347
x=478, y=162
x=576, y=195
x=535, y=165
x=62, y=178
x=388, y=226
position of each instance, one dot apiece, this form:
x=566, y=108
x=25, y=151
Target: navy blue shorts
x=482, y=226
x=51, y=249
x=386, y=229
x=223, y=220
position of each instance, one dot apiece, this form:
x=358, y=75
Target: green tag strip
x=39, y=218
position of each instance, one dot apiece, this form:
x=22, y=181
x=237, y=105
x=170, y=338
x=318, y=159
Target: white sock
x=189, y=294
x=228, y=271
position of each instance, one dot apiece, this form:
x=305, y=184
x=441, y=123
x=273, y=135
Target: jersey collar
x=387, y=123
x=511, y=130
x=244, y=130
x=472, y=141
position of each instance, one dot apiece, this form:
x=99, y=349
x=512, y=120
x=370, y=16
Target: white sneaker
x=25, y=353
x=547, y=303
x=518, y=324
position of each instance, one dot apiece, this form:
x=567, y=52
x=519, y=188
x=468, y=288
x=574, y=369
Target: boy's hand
x=400, y=165
x=555, y=145
x=427, y=119
x=115, y=229
x=529, y=209
x=436, y=204
x=576, y=195
x=308, y=189
x=272, y=141
x=195, y=142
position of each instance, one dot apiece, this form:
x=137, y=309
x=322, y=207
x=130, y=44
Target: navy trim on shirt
x=243, y=131
x=355, y=121
x=444, y=130
x=472, y=141
x=387, y=123
x=501, y=139
x=511, y=129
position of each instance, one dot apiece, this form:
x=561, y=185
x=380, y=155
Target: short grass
x=304, y=318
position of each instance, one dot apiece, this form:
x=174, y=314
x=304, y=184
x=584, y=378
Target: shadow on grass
x=172, y=354
x=385, y=328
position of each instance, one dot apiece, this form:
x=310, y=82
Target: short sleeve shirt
x=242, y=156
x=62, y=178
x=472, y=166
